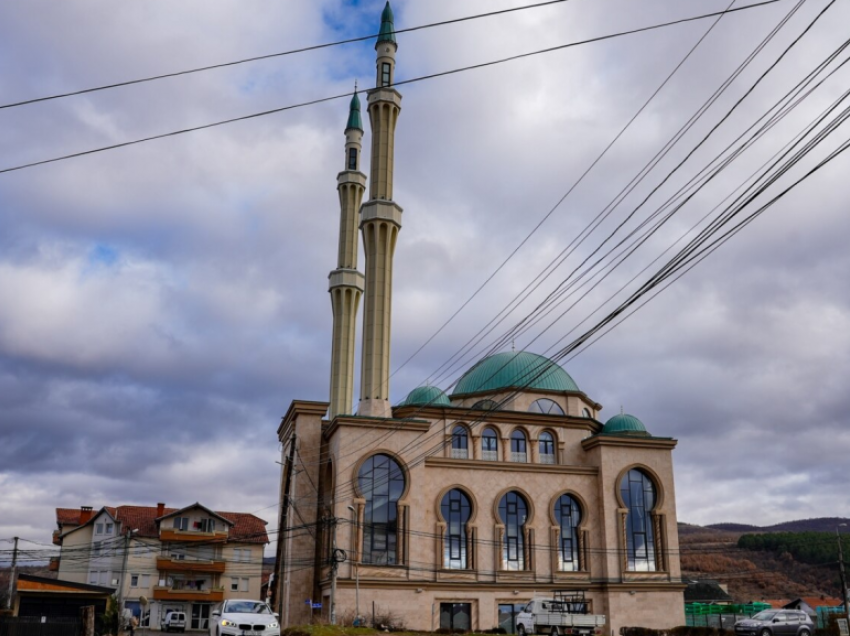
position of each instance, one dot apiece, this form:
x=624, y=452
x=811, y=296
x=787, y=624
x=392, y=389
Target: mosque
x=454, y=510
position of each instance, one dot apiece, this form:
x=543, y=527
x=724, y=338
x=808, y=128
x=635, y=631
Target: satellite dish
x=143, y=600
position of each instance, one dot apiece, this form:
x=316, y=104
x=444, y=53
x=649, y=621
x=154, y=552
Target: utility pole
x=121, y=574
x=334, y=565
x=282, y=560
x=12, y=575
x=844, y=594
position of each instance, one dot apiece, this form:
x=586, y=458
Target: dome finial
x=622, y=412
x=513, y=345
x=354, y=120
x=387, y=32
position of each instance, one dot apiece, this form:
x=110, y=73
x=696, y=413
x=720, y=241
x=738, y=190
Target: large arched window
x=519, y=451
x=513, y=511
x=638, y=493
x=486, y=405
x=460, y=443
x=489, y=445
x=456, y=510
x=381, y=482
x=546, y=406
x=568, y=516
x=546, y=446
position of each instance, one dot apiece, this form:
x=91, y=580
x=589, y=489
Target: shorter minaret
x=346, y=283
x=380, y=222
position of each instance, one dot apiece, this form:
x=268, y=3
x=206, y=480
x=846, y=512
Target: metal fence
x=40, y=626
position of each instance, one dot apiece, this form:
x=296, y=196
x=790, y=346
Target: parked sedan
x=776, y=623
x=241, y=617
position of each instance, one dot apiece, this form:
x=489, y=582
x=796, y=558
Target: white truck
x=566, y=613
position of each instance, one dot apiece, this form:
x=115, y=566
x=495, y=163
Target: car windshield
x=764, y=616
x=246, y=607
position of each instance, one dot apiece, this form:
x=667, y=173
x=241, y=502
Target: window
x=586, y=412
x=381, y=482
x=98, y=528
x=568, y=516
x=455, y=616
x=638, y=495
x=205, y=525
x=177, y=553
x=93, y=577
x=486, y=405
x=513, y=510
x=456, y=510
x=103, y=577
x=352, y=158
x=181, y=523
x=546, y=406
x=234, y=585
x=518, y=447
x=386, y=70
x=243, y=585
x=507, y=616
x=546, y=445
x=109, y=528
x=97, y=549
x=145, y=581
x=134, y=580
x=460, y=443
x=489, y=445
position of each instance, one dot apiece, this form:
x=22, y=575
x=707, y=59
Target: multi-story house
x=159, y=559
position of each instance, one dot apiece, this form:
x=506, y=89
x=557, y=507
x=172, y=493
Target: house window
x=513, y=511
x=109, y=528
x=546, y=406
x=456, y=510
x=145, y=581
x=243, y=585
x=460, y=443
x=181, y=523
x=386, y=71
x=177, y=554
x=97, y=550
x=455, y=617
x=638, y=494
x=205, y=525
x=519, y=452
x=489, y=445
x=234, y=585
x=98, y=528
x=568, y=516
x=352, y=158
x=93, y=577
x=381, y=482
x=134, y=580
x=546, y=445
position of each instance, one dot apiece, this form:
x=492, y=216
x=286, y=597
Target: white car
x=244, y=618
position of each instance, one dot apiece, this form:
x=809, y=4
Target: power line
x=421, y=78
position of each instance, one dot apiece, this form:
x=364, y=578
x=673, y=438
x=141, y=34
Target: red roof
x=817, y=601
x=247, y=528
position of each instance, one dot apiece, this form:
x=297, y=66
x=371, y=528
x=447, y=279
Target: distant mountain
x=820, y=524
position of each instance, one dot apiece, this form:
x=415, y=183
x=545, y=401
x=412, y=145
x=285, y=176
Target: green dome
x=426, y=396
x=624, y=424
x=354, y=120
x=515, y=369
x=387, y=32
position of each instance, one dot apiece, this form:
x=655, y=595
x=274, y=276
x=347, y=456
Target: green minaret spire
x=387, y=32
x=354, y=120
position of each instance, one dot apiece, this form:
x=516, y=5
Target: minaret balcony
x=346, y=278
x=379, y=209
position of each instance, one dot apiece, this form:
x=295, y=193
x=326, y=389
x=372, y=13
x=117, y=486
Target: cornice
x=302, y=407
x=353, y=421
x=622, y=441
x=517, y=467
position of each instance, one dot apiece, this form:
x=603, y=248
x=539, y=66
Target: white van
x=173, y=621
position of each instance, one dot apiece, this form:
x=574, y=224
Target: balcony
x=165, y=564
x=161, y=593
x=185, y=536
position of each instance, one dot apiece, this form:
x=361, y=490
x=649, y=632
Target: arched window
x=568, y=516
x=638, y=494
x=489, y=445
x=456, y=510
x=585, y=412
x=513, y=511
x=546, y=446
x=460, y=443
x=381, y=482
x=546, y=406
x=486, y=405
x=519, y=453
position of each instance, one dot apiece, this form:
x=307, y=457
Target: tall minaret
x=380, y=221
x=346, y=283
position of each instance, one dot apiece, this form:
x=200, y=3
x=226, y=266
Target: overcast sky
x=162, y=304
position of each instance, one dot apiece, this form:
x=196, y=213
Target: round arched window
x=486, y=405
x=546, y=406
x=568, y=516
x=513, y=511
x=456, y=510
x=546, y=446
x=460, y=443
x=519, y=451
x=638, y=494
x=489, y=445
x=381, y=481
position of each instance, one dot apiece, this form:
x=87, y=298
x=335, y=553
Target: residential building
x=158, y=558
x=453, y=510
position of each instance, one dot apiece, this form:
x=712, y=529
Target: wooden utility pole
x=12, y=575
x=283, y=524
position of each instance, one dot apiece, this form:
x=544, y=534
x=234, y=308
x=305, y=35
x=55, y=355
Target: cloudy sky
x=162, y=304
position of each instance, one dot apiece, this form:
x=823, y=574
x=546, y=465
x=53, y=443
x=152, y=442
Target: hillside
x=711, y=552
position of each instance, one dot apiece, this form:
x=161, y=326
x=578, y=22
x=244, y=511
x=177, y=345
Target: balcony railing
x=163, y=593
x=519, y=458
x=166, y=564
x=490, y=456
x=170, y=534
x=460, y=453
x=547, y=459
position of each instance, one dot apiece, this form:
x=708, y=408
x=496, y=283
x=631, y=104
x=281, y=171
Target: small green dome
x=387, y=32
x=354, y=120
x=624, y=424
x=515, y=369
x=426, y=396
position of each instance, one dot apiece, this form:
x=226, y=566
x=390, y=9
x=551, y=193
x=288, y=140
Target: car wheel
x=554, y=631
x=765, y=632
x=520, y=630
x=805, y=632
